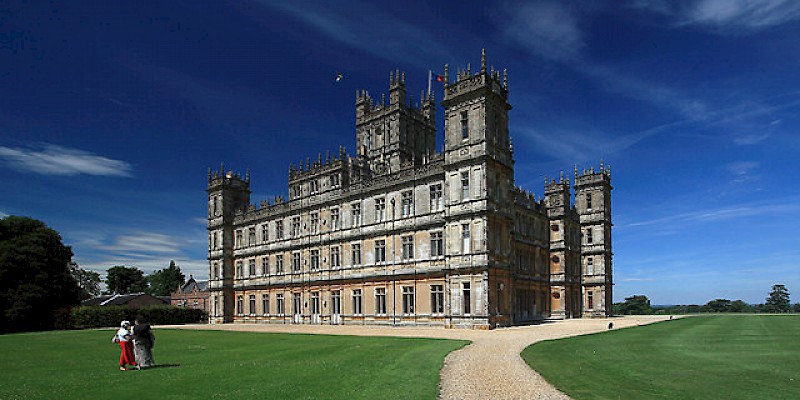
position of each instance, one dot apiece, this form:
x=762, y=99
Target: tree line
x=39, y=282
x=777, y=301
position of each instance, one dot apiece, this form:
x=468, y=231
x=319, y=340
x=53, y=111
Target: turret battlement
x=467, y=82
x=368, y=109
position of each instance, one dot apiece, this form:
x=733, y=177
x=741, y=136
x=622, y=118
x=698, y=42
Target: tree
x=35, y=282
x=165, y=281
x=88, y=281
x=635, y=305
x=796, y=307
x=778, y=300
x=718, y=305
x=740, y=306
x=123, y=280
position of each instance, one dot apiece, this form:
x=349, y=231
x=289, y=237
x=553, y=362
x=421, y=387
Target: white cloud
x=720, y=214
x=145, y=244
x=57, y=160
x=3, y=215
x=366, y=27
x=742, y=171
x=728, y=16
x=547, y=29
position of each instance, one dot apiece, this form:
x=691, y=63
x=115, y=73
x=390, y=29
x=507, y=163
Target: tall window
x=215, y=271
x=357, y=302
x=356, y=253
x=314, y=186
x=251, y=267
x=334, y=180
x=408, y=299
x=297, y=304
x=380, y=301
x=334, y=219
x=589, y=238
x=464, y=126
x=240, y=305
x=588, y=201
x=589, y=266
x=407, y=247
x=380, y=251
x=265, y=233
x=252, y=301
x=464, y=185
x=251, y=236
x=315, y=309
x=279, y=264
x=280, y=308
x=380, y=210
x=356, y=209
x=265, y=304
x=216, y=306
x=466, y=297
x=437, y=202
x=407, y=204
x=314, y=222
x=336, y=257
x=295, y=226
x=437, y=299
x=278, y=229
x=296, y=261
x=590, y=300
x=314, y=260
x=465, y=239
x=238, y=238
x=265, y=265
x=437, y=244
x=336, y=301
x=239, y=269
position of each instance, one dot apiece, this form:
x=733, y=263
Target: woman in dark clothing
x=143, y=341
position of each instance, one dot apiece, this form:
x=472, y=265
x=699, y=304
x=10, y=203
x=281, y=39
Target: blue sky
x=112, y=112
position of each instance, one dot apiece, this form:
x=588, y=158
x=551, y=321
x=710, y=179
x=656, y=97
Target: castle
x=401, y=234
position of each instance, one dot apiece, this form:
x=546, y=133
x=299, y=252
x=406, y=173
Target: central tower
x=389, y=135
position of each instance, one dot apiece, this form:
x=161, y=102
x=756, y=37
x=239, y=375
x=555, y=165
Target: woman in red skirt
x=125, y=341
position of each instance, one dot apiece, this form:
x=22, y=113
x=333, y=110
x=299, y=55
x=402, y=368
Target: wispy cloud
x=143, y=244
x=363, y=29
x=147, y=251
x=3, y=215
x=728, y=16
x=57, y=160
x=742, y=171
x=575, y=145
x=719, y=214
x=548, y=29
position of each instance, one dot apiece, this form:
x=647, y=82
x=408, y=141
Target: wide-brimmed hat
x=125, y=323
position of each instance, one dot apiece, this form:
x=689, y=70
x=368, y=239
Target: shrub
x=102, y=316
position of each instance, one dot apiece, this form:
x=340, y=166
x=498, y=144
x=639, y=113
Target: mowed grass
x=709, y=357
x=222, y=365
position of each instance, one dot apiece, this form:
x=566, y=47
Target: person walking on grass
x=143, y=341
x=124, y=337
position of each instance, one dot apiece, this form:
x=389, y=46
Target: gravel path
x=489, y=368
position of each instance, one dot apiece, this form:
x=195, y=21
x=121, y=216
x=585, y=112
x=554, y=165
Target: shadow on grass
x=162, y=366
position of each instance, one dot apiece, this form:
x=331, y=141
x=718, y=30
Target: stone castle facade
x=401, y=234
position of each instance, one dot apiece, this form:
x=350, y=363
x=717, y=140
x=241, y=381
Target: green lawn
x=222, y=365
x=708, y=357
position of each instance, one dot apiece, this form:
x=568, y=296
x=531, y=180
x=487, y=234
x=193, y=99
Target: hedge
x=103, y=316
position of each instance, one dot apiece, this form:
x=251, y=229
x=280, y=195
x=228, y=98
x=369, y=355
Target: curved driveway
x=489, y=368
